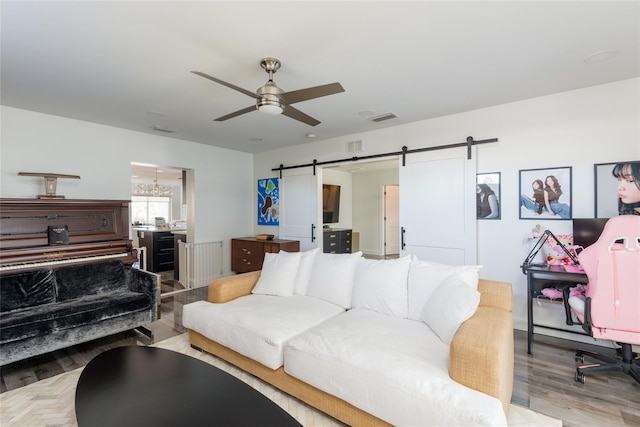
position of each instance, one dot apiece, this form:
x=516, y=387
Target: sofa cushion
x=258, y=326
x=332, y=277
x=395, y=369
x=90, y=279
x=43, y=319
x=449, y=306
x=304, y=271
x=381, y=285
x=26, y=289
x=425, y=276
x=278, y=275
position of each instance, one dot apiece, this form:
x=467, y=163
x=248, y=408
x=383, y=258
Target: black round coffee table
x=148, y=386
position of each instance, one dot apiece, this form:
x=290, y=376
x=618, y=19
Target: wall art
x=616, y=189
x=268, y=201
x=545, y=193
x=488, y=195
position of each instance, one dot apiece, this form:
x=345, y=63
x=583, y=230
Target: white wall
x=578, y=128
x=102, y=155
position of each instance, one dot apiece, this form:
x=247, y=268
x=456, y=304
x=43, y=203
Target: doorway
x=159, y=219
x=364, y=186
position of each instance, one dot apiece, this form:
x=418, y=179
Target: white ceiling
x=127, y=64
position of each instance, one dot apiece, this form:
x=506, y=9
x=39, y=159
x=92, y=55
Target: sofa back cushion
x=278, y=275
x=426, y=276
x=332, y=278
x=381, y=285
x=449, y=306
x=90, y=279
x=304, y=271
x=27, y=289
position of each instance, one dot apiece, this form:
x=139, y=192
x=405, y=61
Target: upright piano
x=95, y=230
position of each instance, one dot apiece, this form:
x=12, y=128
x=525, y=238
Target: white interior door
x=299, y=190
x=391, y=220
x=438, y=206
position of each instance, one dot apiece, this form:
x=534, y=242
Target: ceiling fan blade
x=235, y=114
x=312, y=92
x=229, y=85
x=298, y=115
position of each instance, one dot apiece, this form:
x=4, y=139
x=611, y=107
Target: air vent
x=354, y=147
x=164, y=129
x=383, y=117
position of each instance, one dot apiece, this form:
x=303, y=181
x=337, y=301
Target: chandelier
x=154, y=189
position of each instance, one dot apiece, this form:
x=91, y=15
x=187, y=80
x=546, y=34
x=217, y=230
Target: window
x=145, y=209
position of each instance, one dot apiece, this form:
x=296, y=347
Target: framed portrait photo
x=614, y=197
x=488, y=195
x=545, y=193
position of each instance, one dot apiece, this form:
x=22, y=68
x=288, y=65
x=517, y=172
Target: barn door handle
x=313, y=232
x=402, y=244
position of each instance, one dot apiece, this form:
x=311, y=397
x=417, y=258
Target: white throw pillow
x=332, y=278
x=304, y=271
x=278, y=275
x=449, y=306
x=425, y=276
x=381, y=285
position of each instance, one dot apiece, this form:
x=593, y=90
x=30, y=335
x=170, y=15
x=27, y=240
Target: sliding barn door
x=299, y=207
x=438, y=206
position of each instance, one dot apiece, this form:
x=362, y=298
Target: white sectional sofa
x=401, y=342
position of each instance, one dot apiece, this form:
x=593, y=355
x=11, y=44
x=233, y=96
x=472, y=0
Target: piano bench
x=46, y=310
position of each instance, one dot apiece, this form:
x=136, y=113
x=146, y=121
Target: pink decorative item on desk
x=574, y=268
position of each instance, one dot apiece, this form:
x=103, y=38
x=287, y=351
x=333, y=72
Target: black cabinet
x=160, y=249
x=336, y=241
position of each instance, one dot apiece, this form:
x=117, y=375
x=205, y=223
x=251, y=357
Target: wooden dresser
x=247, y=253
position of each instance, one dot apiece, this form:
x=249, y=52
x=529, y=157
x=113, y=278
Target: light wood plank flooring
x=543, y=381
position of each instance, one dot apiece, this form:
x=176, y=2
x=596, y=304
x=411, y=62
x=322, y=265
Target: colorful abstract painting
x=268, y=201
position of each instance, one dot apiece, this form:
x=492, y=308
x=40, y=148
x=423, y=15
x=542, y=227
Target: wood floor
x=543, y=381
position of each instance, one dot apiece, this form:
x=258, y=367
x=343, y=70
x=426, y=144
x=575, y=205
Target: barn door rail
x=468, y=143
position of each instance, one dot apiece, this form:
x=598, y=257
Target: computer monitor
x=586, y=231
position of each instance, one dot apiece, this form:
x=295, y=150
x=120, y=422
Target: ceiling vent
x=354, y=147
x=383, y=117
x=164, y=129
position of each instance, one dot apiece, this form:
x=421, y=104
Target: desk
x=538, y=278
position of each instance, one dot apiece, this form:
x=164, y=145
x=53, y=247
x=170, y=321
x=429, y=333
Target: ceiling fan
x=270, y=99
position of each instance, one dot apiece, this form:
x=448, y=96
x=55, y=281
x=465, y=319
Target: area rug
x=50, y=402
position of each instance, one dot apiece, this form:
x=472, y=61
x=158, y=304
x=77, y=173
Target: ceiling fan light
x=272, y=108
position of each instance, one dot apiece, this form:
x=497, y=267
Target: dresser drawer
x=246, y=256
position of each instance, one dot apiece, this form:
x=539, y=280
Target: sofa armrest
x=495, y=294
x=231, y=287
x=142, y=281
x=481, y=354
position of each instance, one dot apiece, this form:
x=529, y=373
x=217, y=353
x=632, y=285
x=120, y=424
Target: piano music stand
x=50, y=182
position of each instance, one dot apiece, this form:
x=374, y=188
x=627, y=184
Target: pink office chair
x=611, y=309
